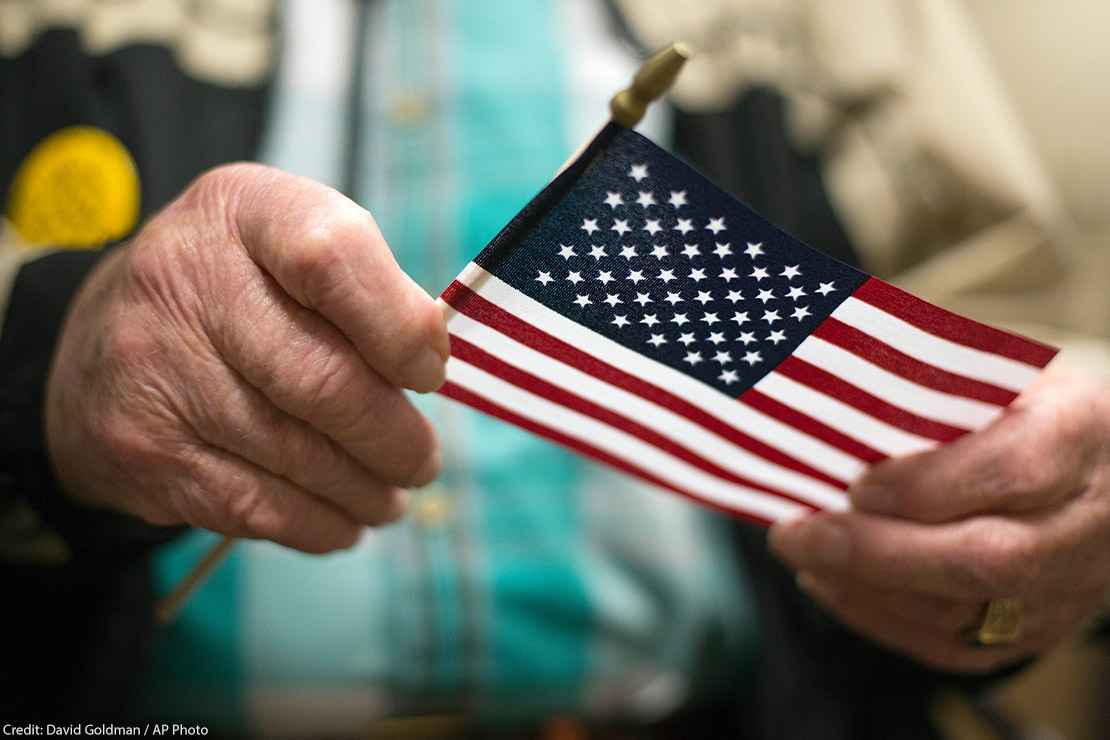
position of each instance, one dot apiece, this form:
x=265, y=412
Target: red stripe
x=950, y=326
x=466, y=301
x=871, y=349
x=478, y=357
x=818, y=379
x=484, y=405
x=809, y=425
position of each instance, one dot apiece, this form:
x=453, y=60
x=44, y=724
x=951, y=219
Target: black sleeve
x=37, y=307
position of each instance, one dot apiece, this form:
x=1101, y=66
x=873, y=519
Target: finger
x=306, y=368
x=1026, y=461
x=949, y=616
x=930, y=646
x=237, y=417
x=232, y=496
x=972, y=560
x=327, y=252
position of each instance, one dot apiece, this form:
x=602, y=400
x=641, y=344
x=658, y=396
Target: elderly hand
x=1020, y=509
x=238, y=366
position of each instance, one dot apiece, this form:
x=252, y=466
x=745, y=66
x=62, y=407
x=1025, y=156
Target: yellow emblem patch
x=78, y=187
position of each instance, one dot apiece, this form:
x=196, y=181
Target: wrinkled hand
x=1020, y=509
x=238, y=366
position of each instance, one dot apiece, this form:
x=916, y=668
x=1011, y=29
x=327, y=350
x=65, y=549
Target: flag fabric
x=638, y=315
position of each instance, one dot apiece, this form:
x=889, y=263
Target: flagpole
x=627, y=108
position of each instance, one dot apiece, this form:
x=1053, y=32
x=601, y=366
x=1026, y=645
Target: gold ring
x=1002, y=623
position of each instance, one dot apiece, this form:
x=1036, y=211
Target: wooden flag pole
x=166, y=609
x=654, y=77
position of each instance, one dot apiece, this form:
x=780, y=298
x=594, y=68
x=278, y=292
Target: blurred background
x=960, y=148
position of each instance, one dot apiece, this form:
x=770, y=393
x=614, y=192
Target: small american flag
x=638, y=315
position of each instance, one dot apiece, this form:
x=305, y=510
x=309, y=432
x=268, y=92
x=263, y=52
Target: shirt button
x=432, y=507
x=409, y=109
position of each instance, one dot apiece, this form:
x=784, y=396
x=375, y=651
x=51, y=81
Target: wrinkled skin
x=1020, y=509
x=238, y=366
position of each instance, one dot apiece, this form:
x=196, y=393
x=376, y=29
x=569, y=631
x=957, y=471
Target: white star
x=597, y=251
x=583, y=301
x=566, y=251
x=690, y=250
x=684, y=226
x=680, y=319
x=735, y=295
x=728, y=274
x=649, y=319
x=636, y=276
x=717, y=337
x=776, y=336
x=620, y=321
x=740, y=317
x=543, y=277
x=771, y=316
x=800, y=313
x=605, y=277
x=698, y=274
x=656, y=340
x=791, y=271
x=628, y=251
x=667, y=275
x=722, y=250
x=620, y=226
x=759, y=273
x=703, y=297
x=678, y=198
x=795, y=292
x=754, y=250
x=728, y=377
x=710, y=319
x=673, y=298
x=642, y=298
x=574, y=277
x=752, y=358
x=825, y=289
x=716, y=225
x=692, y=357
x=746, y=338
x=589, y=225
x=646, y=200
x=659, y=251
x=613, y=200
x=652, y=226
x=612, y=299
x=722, y=357
x=638, y=172
x=687, y=338
x=765, y=295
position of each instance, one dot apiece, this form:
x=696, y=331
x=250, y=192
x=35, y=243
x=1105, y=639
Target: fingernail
x=429, y=471
x=872, y=498
x=811, y=542
x=426, y=371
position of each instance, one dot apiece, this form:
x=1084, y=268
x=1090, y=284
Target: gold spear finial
x=654, y=78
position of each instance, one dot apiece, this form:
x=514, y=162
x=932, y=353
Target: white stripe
x=678, y=429
x=921, y=345
x=962, y=412
x=620, y=444
x=848, y=420
x=767, y=429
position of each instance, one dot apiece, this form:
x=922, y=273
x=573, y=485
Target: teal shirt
x=526, y=581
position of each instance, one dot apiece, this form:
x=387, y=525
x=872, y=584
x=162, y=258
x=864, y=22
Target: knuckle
x=1005, y=560
x=330, y=384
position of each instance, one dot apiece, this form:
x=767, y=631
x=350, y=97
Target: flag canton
x=648, y=253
